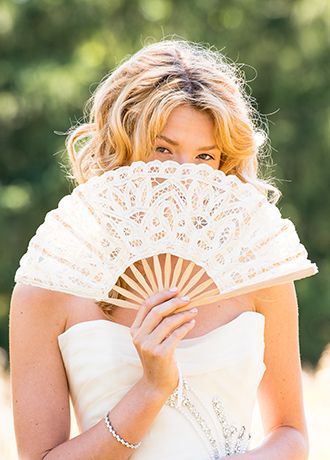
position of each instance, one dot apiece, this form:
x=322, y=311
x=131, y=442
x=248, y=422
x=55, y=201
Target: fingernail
x=185, y=297
x=173, y=289
x=194, y=310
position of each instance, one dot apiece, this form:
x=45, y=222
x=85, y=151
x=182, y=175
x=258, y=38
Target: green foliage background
x=53, y=54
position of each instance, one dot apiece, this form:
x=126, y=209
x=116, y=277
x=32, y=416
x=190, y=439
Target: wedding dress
x=220, y=370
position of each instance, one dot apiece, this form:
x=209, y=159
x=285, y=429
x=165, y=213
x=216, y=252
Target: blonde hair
x=130, y=107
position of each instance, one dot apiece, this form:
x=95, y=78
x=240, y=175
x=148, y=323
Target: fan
x=206, y=232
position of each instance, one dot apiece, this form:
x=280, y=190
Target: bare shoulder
x=277, y=303
x=31, y=304
x=40, y=394
x=273, y=293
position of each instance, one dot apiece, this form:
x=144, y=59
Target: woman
x=171, y=100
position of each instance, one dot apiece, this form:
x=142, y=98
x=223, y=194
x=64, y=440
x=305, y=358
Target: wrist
x=152, y=392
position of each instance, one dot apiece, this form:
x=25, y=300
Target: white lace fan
x=224, y=235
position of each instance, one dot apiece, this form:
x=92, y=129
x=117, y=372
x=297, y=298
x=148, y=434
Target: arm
x=280, y=391
x=40, y=391
x=39, y=384
x=97, y=443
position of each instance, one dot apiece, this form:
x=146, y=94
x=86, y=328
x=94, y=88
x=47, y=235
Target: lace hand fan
x=208, y=233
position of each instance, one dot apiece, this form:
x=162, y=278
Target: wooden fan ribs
x=196, y=292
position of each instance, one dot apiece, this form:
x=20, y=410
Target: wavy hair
x=131, y=105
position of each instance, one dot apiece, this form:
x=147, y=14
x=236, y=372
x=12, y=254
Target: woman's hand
x=156, y=331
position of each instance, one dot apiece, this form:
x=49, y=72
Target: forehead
x=187, y=121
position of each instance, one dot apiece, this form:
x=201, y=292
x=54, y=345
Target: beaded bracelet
x=112, y=431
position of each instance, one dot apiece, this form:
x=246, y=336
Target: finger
x=157, y=314
x=149, y=303
x=169, y=325
x=171, y=342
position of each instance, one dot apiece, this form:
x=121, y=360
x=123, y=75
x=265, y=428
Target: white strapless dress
x=221, y=372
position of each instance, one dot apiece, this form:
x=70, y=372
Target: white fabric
x=102, y=364
x=190, y=211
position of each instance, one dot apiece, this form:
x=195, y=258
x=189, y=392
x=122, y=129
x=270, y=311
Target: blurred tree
x=54, y=53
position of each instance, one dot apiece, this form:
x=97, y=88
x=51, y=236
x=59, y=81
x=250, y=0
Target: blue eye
x=165, y=150
x=161, y=149
x=211, y=158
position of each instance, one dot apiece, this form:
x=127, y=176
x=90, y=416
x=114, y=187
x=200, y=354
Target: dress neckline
x=126, y=329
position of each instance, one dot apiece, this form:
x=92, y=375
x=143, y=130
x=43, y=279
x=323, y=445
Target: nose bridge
x=183, y=157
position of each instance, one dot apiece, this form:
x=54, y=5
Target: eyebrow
x=170, y=141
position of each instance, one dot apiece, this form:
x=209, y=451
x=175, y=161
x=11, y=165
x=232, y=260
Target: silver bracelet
x=112, y=431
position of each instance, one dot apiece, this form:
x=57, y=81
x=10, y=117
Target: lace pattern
x=191, y=211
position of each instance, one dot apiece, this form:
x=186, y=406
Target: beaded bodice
x=207, y=417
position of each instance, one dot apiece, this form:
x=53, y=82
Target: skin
x=191, y=130
x=38, y=316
